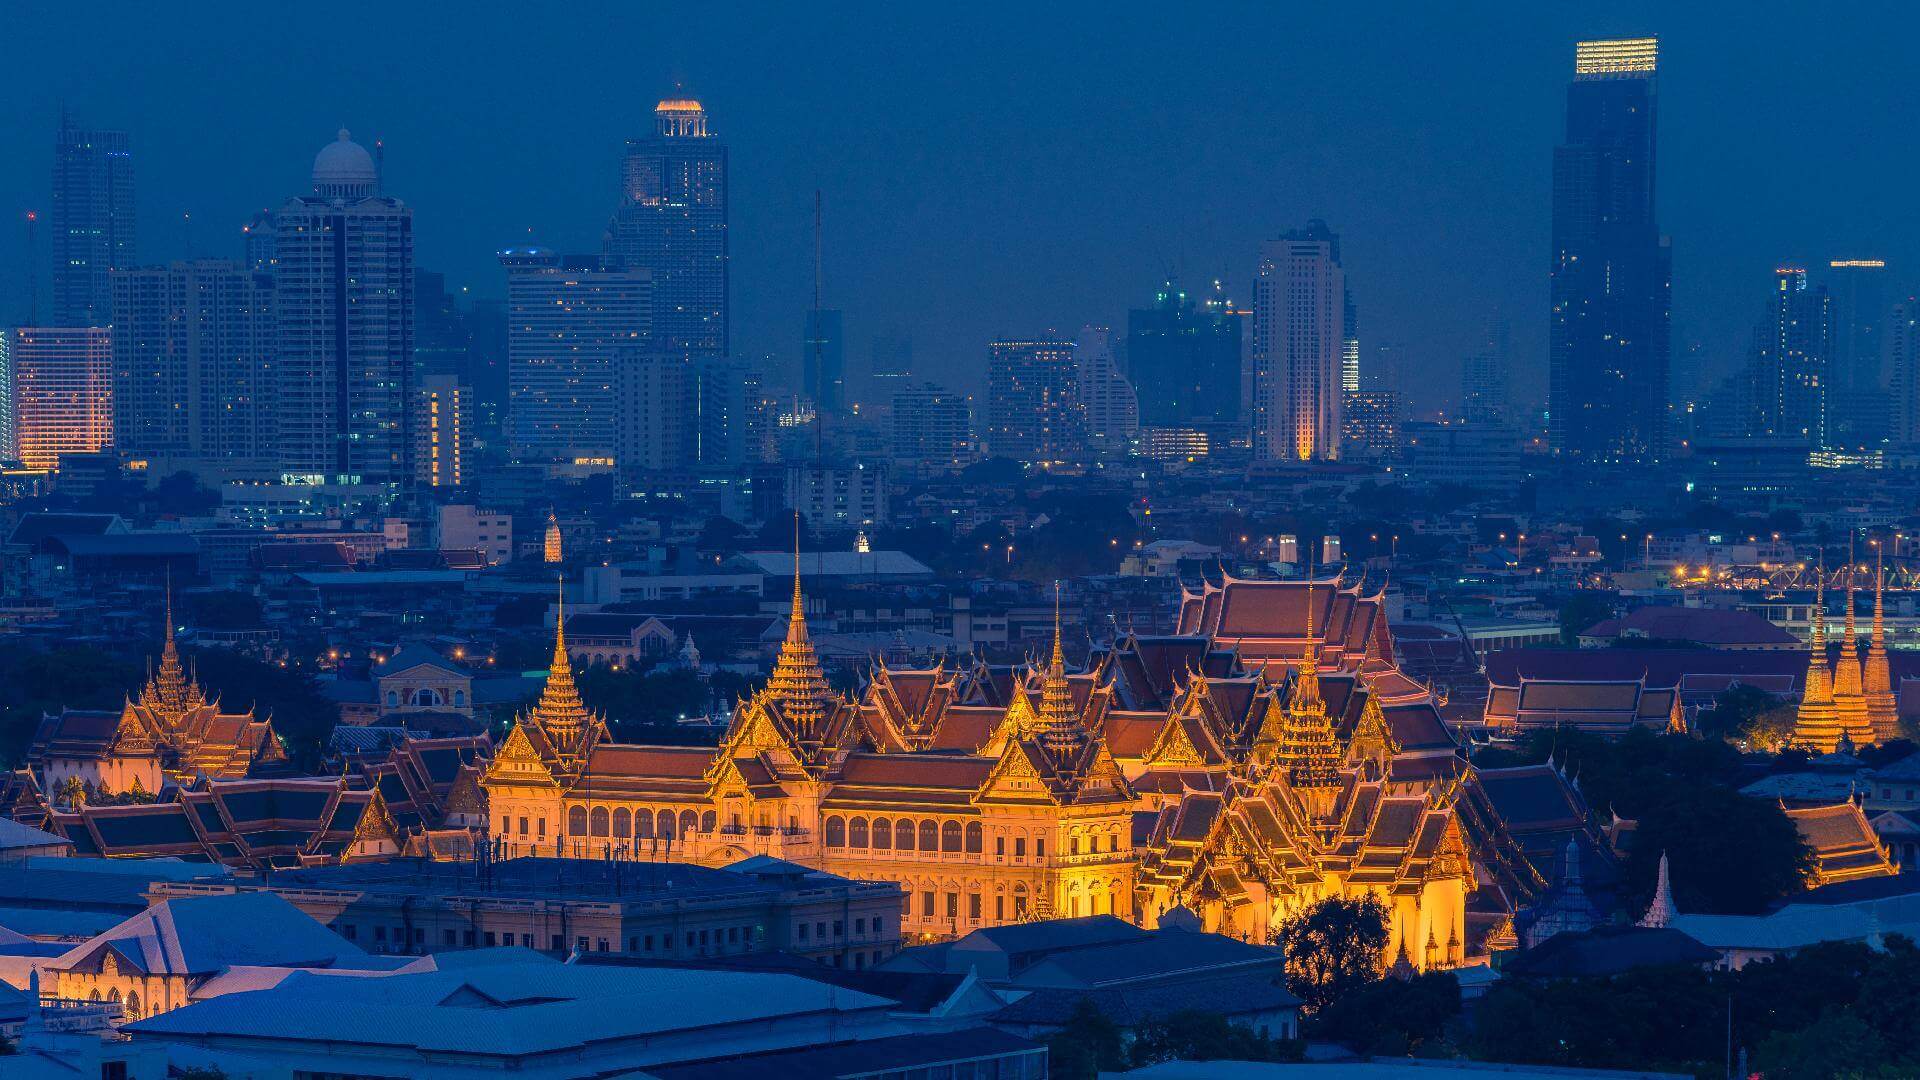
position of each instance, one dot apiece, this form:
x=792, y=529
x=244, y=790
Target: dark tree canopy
x=1333, y=948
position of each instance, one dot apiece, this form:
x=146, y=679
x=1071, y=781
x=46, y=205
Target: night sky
x=993, y=170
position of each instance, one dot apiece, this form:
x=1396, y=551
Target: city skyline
x=1269, y=149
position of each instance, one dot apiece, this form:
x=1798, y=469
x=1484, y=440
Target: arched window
x=393, y=699
x=857, y=832
x=664, y=825
x=689, y=821
x=929, y=836
x=1073, y=900
x=459, y=699
x=882, y=834
x=903, y=835
x=622, y=823
x=836, y=832
x=975, y=838
x=426, y=697
x=1113, y=898
x=643, y=826
x=1020, y=900
x=600, y=818
x=706, y=821
x=950, y=836
x=133, y=1005
x=577, y=821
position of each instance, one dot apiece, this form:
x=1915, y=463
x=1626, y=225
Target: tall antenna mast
x=818, y=343
x=33, y=265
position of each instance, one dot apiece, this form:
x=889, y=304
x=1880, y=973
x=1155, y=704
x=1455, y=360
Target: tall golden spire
x=1883, y=713
x=1057, y=727
x=560, y=714
x=1849, y=699
x=169, y=693
x=797, y=681
x=1309, y=752
x=1817, y=724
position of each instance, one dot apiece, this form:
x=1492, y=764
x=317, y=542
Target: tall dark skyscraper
x=1611, y=275
x=672, y=223
x=1788, y=369
x=1859, y=410
x=92, y=221
x=1183, y=359
x=823, y=360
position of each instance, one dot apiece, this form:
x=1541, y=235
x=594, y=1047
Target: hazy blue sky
x=1001, y=169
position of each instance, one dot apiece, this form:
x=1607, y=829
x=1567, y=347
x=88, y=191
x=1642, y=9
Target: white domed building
x=344, y=170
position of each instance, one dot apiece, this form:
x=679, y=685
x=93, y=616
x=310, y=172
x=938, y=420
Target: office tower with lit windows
x=193, y=362
x=736, y=417
x=1859, y=409
x=1349, y=345
x=92, y=221
x=1110, y=413
x=1611, y=272
x=1299, y=345
x=1486, y=377
x=568, y=327
x=932, y=428
x=823, y=360
x=442, y=431
x=1033, y=401
x=656, y=425
x=344, y=310
x=672, y=223
x=62, y=393
x=1900, y=352
x=1788, y=364
x=256, y=243
x=1370, y=424
x=1184, y=359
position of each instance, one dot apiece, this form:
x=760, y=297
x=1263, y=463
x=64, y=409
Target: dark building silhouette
x=92, y=219
x=823, y=363
x=1611, y=274
x=1183, y=359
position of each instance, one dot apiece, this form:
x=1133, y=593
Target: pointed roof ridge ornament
x=1661, y=911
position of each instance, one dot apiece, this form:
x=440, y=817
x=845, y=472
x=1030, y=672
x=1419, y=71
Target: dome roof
x=344, y=167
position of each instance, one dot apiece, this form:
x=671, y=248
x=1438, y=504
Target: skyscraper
x=672, y=222
x=92, y=219
x=656, y=428
x=1486, y=377
x=1611, y=274
x=1110, y=411
x=823, y=360
x=736, y=418
x=1183, y=359
x=932, y=428
x=1299, y=343
x=62, y=381
x=1033, y=409
x=343, y=293
x=1901, y=350
x=193, y=361
x=568, y=327
x=1858, y=408
x=1787, y=369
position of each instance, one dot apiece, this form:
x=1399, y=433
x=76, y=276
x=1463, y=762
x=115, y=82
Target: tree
x=1192, y=1035
x=1733, y=710
x=1087, y=1045
x=1582, y=609
x=1333, y=948
x=226, y=610
x=1838, y=1044
x=1728, y=854
x=1391, y=1018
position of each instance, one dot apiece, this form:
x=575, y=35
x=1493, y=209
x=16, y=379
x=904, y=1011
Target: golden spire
x=1849, y=699
x=560, y=714
x=169, y=693
x=797, y=681
x=551, y=543
x=1309, y=751
x=1817, y=724
x=1876, y=677
x=1057, y=727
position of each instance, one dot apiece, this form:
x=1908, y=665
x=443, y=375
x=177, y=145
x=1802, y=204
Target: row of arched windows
x=638, y=825
x=904, y=834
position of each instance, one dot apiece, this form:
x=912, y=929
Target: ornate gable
x=518, y=762
x=1016, y=777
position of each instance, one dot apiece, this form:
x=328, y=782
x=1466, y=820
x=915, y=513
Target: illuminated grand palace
x=1265, y=756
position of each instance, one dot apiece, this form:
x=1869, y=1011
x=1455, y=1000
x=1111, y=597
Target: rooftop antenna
x=819, y=372
x=33, y=267
x=379, y=166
